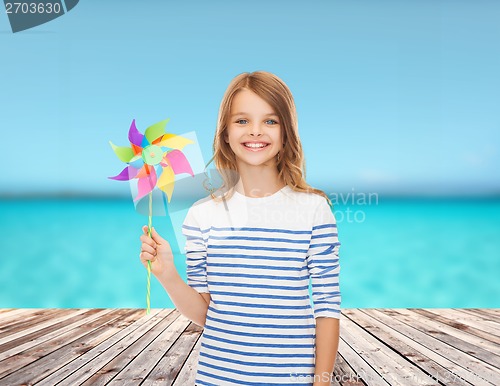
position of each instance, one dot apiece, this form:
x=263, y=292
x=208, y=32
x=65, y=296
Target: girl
x=253, y=249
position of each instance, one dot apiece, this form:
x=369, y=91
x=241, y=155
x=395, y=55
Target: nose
x=256, y=129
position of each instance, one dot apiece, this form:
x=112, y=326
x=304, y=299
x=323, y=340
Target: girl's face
x=253, y=131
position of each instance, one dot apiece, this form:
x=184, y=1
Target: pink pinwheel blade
x=145, y=185
x=134, y=135
x=126, y=174
x=178, y=162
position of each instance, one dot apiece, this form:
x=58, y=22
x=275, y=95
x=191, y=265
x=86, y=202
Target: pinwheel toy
x=154, y=159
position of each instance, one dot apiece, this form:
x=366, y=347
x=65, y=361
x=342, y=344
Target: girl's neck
x=258, y=183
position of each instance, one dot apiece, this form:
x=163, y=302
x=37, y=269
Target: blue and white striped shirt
x=257, y=260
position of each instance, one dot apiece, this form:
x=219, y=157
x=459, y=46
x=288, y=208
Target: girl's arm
x=327, y=343
x=193, y=298
x=189, y=302
x=324, y=268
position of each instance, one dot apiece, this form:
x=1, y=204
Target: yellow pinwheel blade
x=166, y=181
x=174, y=141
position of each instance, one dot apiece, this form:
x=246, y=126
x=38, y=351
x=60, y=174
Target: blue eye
x=241, y=120
x=273, y=122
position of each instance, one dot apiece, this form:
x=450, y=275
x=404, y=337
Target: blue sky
x=393, y=96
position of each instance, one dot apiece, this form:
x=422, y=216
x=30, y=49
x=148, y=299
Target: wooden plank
x=493, y=312
x=363, y=369
x=475, y=321
x=19, y=337
x=37, y=330
x=388, y=364
x=187, y=375
x=457, y=362
x=491, y=340
x=13, y=362
x=103, y=354
x=456, y=347
x=344, y=374
x=132, y=345
x=23, y=323
x=406, y=347
x=39, y=338
x=486, y=314
x=456, y=338
x=470, y=311
x=161, y=360
x=95, y=358
x=15, y=313
x=172, y=360
x=334, y=376
x=45, y=359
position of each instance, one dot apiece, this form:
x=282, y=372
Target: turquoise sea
x=396, y=252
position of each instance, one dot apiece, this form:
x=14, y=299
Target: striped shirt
x=258, y=260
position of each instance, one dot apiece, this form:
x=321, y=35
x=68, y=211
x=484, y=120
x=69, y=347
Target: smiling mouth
x=255, y=145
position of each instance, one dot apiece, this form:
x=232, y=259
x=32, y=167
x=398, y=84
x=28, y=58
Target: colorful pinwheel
x=150, y=160
x=154, y=159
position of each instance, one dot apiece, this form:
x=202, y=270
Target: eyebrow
x=266, y=115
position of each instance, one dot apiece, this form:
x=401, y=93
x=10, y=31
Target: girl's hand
x=157, y=250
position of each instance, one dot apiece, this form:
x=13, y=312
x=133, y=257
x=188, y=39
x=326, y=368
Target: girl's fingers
x=145, y=257
x=156, y=237
x=148, y=248
x=147, y=240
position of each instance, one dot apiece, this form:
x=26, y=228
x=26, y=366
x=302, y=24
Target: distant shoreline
x=383, y=196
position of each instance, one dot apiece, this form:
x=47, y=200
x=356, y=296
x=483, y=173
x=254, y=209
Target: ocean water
x=395, y=253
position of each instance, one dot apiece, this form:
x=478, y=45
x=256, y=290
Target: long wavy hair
x=290, y=160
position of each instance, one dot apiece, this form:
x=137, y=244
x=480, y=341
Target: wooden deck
x=128, y=347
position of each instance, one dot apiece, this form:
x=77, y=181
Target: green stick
x=149, y=261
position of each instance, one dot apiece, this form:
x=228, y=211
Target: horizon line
x=386, y=195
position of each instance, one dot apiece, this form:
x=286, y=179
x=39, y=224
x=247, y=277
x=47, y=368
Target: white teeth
x=255, y=145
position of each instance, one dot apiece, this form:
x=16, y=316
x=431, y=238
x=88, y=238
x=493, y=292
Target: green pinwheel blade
x=124, y=153
x=155, y=131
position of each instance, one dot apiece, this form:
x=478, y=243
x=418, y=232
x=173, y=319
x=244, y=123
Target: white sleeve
x=196, y=253
x=323, y=263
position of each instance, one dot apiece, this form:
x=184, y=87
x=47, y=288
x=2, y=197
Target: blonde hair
x=291, y=161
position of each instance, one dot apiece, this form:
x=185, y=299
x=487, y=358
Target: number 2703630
x=33, y=8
